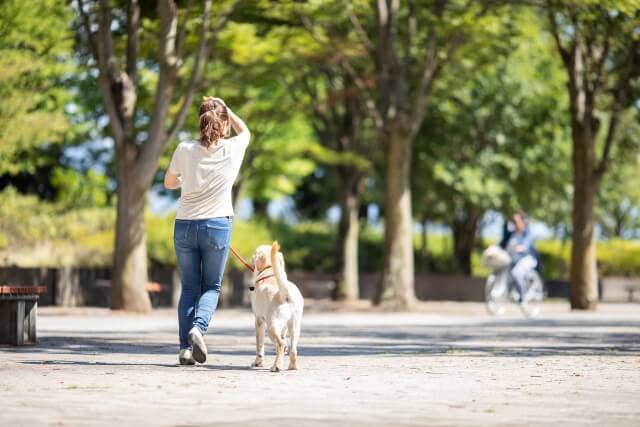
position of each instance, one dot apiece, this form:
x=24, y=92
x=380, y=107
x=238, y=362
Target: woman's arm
x=172, y=181
x=238, y=125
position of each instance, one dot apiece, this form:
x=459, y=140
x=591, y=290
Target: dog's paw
x=257, y=363
x=275, y=368
x=293, y=362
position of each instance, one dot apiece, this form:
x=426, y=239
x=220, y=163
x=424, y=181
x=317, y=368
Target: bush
x=36, y=233
x=616, y=257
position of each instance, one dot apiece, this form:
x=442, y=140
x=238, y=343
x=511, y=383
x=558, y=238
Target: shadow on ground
x=507, y=338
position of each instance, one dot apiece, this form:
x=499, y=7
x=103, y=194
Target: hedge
x=35, y=233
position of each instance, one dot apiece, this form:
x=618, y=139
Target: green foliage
x=33, y=233
x=39, y=233
x=278, y=157
x=487, y=137
x=35, y=50
x=496, y=135
x=619, y=194
x=616, y=257
x=80, y=190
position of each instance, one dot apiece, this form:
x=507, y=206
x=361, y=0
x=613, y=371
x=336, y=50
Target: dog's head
x=262, y=257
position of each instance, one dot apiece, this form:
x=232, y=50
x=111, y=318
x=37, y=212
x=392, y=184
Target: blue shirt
x=513, y=239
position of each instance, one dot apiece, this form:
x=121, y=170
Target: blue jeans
x=202, y=247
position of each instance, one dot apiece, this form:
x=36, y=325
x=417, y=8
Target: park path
x=447, y=365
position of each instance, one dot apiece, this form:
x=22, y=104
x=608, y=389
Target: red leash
x=242, y=260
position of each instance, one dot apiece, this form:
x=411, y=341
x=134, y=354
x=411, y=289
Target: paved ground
x=449, y=364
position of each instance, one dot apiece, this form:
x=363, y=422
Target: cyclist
x=519, y=244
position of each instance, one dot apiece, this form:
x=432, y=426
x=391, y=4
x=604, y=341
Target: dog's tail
x=277, y=261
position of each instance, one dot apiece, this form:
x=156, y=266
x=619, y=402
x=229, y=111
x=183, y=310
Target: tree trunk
x=260, y=208
x=397, y=286
x=348, y=231
x=424, y=250
x=619, y=217
x=464, y=239
x=583, y=273
x=129, y=273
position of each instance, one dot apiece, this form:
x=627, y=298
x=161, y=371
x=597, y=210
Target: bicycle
x=500, y=287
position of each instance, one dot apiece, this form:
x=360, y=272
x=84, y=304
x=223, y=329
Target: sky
x=284, y=209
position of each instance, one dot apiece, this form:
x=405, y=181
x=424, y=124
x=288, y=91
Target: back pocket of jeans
x=218, y=237
x=180, y=231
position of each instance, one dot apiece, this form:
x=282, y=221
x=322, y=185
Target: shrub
x=37, y=233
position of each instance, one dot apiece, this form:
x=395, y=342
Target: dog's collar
x=259, y=279
x=262, y=271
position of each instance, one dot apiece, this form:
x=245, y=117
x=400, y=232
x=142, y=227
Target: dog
x=277, y=305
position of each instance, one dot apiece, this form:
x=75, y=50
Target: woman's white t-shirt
x=207, y=176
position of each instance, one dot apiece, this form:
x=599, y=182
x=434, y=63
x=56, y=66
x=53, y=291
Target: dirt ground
x=446, y=364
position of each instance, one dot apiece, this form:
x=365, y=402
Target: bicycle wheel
x=534, y=294
x=496, y=293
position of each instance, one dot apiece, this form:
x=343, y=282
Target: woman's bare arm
x=238, y=125
x=172, y=181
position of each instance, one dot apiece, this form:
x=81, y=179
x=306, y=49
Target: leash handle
x=242, y=260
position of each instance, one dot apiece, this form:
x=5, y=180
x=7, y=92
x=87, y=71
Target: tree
x=36, y=47
x=277, y=159
x=494, y=127
x=600, y=49
x=328, y=96
x=339, y=121
x=116, y=54
x=409, y=49
x=338, y=115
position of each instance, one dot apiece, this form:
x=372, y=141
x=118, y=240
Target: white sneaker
x=197, y=343
x=185, y=357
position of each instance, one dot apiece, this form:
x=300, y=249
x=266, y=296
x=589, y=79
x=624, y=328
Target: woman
x=519, y=244
x=205, y=171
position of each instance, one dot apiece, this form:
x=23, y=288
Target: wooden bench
x=18, y=313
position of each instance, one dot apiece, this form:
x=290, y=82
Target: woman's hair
x=214, y=122
x=521, y=214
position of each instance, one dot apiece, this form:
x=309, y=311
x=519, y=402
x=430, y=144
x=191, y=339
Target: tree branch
x=133, y=26
x=201, y=57
x=600, y=57
x=621, y=97
x=564, y=53
x=183, y=30
x=412, y=27
x=195, y=75
x=128, y=81
x=346, y=65
x=108, y=72
x=431, y=67
x=86, y=23
x=168, y=62
x=362, y=87
x=360, y=31
x=608, y=143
